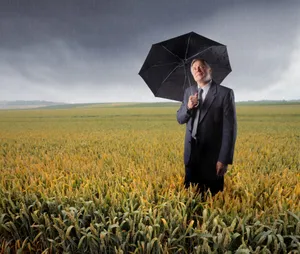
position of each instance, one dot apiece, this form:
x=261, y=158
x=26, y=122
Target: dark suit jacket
x=217, y=125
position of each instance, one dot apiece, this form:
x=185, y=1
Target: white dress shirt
x=205, y=90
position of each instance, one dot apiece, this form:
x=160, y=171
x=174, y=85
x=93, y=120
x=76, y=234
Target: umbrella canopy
x=166, y=69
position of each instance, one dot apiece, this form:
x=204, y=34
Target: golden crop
x=109, y=179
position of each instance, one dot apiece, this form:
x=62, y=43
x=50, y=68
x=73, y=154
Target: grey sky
x=91, y=51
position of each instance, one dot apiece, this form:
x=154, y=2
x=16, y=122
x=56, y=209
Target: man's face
x=200, y=71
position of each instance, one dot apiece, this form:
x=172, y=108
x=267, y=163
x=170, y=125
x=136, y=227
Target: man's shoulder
x=224, y=89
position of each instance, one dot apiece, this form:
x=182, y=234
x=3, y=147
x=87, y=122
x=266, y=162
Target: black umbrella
x=166, y=69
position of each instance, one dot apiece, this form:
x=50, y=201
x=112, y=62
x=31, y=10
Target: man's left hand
x=221, y=168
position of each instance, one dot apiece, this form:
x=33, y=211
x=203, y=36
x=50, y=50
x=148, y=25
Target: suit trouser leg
x=191, y=168
x=188, y=179
x=214, y=186
x=202, y=186
x=194, y=177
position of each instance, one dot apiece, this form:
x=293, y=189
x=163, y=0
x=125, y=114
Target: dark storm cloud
x=92, y=50
x=100, y=24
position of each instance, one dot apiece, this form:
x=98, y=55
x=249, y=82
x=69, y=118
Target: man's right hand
x=193, y=101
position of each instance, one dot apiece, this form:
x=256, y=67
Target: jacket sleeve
x=184, y=114
x=229, y=129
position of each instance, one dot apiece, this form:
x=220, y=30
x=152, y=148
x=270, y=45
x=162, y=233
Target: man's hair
x=202, y=61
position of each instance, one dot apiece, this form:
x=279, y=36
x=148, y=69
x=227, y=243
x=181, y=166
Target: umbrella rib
x=170, y=74
x=189, y=82
x=171, y=52
x=158, y=65
x=199, y=53
x=186, y=76
x=187, y=46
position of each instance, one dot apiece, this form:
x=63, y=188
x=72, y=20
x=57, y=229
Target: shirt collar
x=206, y=87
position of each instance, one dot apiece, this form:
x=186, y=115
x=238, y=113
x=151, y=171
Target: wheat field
x=109, y=179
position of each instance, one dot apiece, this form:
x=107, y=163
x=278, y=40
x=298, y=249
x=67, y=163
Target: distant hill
x=61, y=105
x=269, y=102
x=116, y=105
x=20, y=104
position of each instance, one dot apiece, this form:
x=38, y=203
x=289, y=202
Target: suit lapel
x=210, y=97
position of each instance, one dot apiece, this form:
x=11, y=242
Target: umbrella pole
x=190, y=85
x=187, y=77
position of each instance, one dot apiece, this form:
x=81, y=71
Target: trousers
x=201, y=171
x=214, y=186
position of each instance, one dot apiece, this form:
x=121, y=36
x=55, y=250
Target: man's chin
x=201, y=80
x=198, y=79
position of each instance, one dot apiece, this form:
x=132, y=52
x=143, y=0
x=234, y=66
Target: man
x=210, y=130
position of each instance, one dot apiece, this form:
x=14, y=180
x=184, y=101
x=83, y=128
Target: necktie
x=196, y=120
